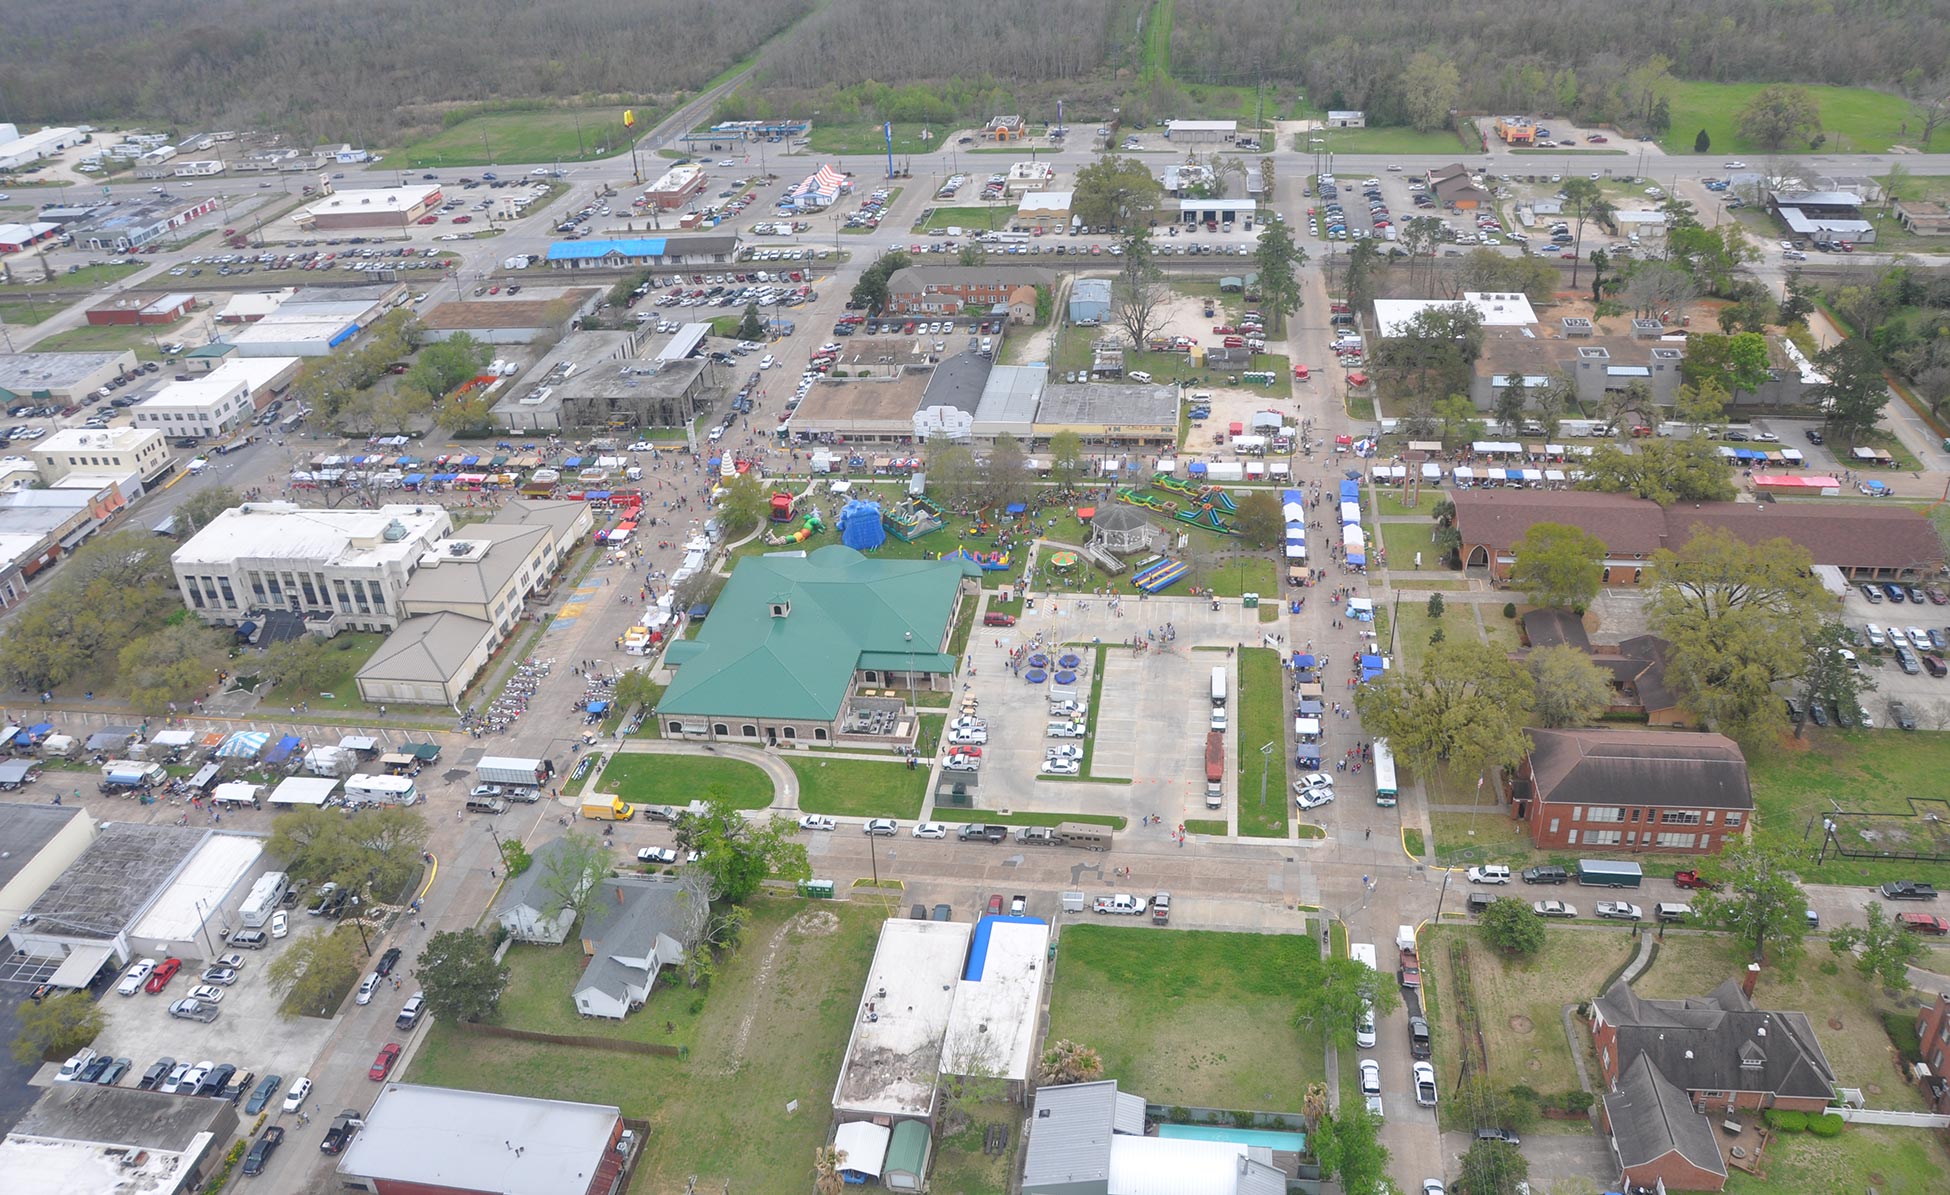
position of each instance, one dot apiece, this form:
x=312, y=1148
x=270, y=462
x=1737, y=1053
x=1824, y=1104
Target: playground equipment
x=988, y=562
x=1158, y=573
x=1147, y=501
x=913, y=519
x=781, y=506
x=1064, y=560
x=861, y=527
x=811, y=527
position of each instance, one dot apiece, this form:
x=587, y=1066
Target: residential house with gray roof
x=633, y=928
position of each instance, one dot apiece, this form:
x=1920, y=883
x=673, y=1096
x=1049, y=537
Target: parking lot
x=1924, y=692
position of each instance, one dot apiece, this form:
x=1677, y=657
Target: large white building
x=114, y=451
x=350, y=566
x=213, y=404
x=17, y=151
x=64, y=377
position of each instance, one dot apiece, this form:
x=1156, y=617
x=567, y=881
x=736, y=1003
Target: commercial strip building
x=141, y=308
x=623, y=253
x=678, y=186
x=17, y=150
x=314, y=320
x=792, y=639
x=511, y=321
x=65, y=378
x=445, y=1141
x=15, y=238
x=37, y=844
x=953, y=290
x=379, y=208
x=124, y=225
x=612, y=380
x=40, y=523
x=115, y=451
x=1880, y=543
x=216, y=403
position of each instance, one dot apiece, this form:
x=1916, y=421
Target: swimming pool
x=1268, y=1138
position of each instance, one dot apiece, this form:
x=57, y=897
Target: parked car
x=344, y=1125
x=1546, y=874
x=295, y=1098
x=383, y=1064
x=137, y=975
x=160, y=977
x=409, y=1013
x=261, y=1097
x=194, y=1010
x=1553, y=908
x=1619, y=910
x=261, y=1152
x=1907, y=890
x=882, y=827
x=1489, y=873
x=1693, y=879
x=656, y=854
x=815, y=821
x=930, y=830
x=388, y=961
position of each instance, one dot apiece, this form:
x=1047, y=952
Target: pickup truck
x=1425, y=1084
x=344, y=1125
x=1410, y=972
x=1692, y=879
x=1040, y=835
x=1123, y=904
x=1907, y=890
x=1161, y=909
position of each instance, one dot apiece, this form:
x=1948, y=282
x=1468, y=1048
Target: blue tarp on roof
x=978, y=951
x=590, y=250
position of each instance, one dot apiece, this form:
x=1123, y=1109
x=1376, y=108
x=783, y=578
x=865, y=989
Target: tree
x=1582, y=199
x=1457, y=418
x=746, y=501
x=444, y=365
x=1738, y=617
x=953, y=473
x=459, y=975
x=1702, y=143
x=1552, y=400
x=1558, y=565
x=1114, y=193
x=56, y=1027
x=197, y=511
x=1510, y=402
x=870, y=292
x=1700, y=406
x=1279, y=261
x=313, y=972
x=1331, y=992
x=1665, y=471
x=752, y=325
x=1493, y=1168
x=1431, y=355
x=1571, y=689
x=1777, y=115
x=1065, y=1061
x=1512, y=1107
x=1758, y=901
x=1139, y=295
x=1348, y=1147
x=380, y=848
x=739, y=855
x=1006, y=474
x=1853, y=396
x=303, y=665
x=1066, y=458
x=173, y=664
x=828, y=1162
x=636, y=687
x=1883, y=948
x=570, y=871
x=1930, y=102
x=1829, y=676
x=469, y=414
x=974, y=253
x=1513, y=927
x=1260, y=521
x=1466, y=707
x=1430, y=87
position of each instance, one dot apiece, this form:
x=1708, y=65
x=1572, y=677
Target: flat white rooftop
x=286, y=531
x=894, y=1055
x=1498, y=309
x=450, y=1139
x=207, y=877
x=992, y=1029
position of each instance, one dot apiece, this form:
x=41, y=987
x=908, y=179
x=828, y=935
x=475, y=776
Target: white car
x=1553, y=908
x=137, y=976
x=1370, y=1077
x=766, y=362
x=72, y=1068
x=294, y=1099
x=1313, y=780
x=930, y=830
x=1736, y=164
x=656, y=854
x=882, y=827
x=1065, y=730
x=1374, y=1107
x=815, y=821
x=1314, y=798
x=1619, y=910
x=280, y=924
x=1489, y=873
x=1064, y=751
x=209, y=993
x=1061, y=767
x=972, y=737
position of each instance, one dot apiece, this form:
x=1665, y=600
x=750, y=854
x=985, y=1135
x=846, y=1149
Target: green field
x=984, y=216
x=1854, y=770
x=112, y=338
x=1261, y=710
x=560, y=135
x=1856, y=119
x=770, y=1030
x=860, y=787
x=869, y=137
x=1380, y=141
x=350, y=650
x=1188, y=1017
x=25, y=315
x=680, y=779
x=85, y=279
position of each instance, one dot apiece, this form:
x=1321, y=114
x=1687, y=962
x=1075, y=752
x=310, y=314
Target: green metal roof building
x=792, y=636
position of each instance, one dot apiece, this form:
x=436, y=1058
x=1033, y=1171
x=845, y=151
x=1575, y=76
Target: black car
x=218, y=1079
x=387, y=962
x=92, y=1073
x=1547, y=874
x=1817, y=714
x=944, y=913
x=339, y=1135
x=155, y=1074
x=1814, y=436
x=1497, y=1135
x=261, y=1152
x=1900, y=712
x=1907, y=890
x=262, y=1096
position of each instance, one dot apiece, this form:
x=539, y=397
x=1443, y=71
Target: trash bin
x=816, y=889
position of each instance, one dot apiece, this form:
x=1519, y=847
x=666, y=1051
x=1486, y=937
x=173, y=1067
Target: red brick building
x=1658, y=1136
x=1933, y=1039
x=1719, y=1049
x=1631, y=791
x=953, y=290
x=142, y=307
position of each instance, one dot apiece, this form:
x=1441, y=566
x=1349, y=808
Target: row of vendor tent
x=1790, y=457
x=1293, y=509
x=501, y=460
x=1226, y=470
x=1475, y=476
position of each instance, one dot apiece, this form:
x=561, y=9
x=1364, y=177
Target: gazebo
x=1121, y=529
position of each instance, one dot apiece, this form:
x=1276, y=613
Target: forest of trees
x=378, y=70
x=375, y=71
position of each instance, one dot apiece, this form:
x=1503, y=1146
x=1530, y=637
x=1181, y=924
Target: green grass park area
x=548, y=135
x=23, y=314
x=1262, y=719
x=771, y=1029
x=1213, y=827
x=1072, y=351
x=983, y=217
x=1871, y=772
x=680, y=779
x=81, y=281
x=869, y=137
x=350, y=650
x=1381, y=141
x=1189, y=1017
x=1855, y=119
x=1894, y=1161
x=860, y=787
x=112, y=338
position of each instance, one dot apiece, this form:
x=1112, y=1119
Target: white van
x=1218, y=684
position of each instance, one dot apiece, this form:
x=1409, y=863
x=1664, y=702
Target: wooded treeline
x=367, y=70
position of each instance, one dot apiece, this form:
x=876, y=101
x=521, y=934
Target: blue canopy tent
x=1350, y=491
x=1196, y=468
x=245, y=744
x=860, y=527
x=599, y=707
x=1303, y=659
x=285, y=746
x=413, y=481
x=1371, y=667
x=1015, y=508
x=574, y=462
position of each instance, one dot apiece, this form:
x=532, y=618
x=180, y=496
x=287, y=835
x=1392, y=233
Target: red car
x=964, y=749
x=429, y=220
x=383, y=1065
x=1692, y=879
x=1597, y=138
x=463, y=219
x=160, y=977
x=995, y=906
x=1299, y=373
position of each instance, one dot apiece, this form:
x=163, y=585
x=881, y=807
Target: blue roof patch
x=588, y=250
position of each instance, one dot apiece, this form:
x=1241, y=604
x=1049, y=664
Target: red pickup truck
x=1692, y=879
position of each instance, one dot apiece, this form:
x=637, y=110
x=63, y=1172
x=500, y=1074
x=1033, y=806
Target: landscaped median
x=843, y=787
x=1261, y=716
x=646, y=778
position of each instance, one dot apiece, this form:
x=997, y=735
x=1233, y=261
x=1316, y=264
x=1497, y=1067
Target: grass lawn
x=1896, y=1161
x=84, y=279
x=537, y=999
x=964, y=626
x=1188, y=1017
x=548, y=136
x=1403, y=540
x=1692, y=964
x=1856, y=119
x=22, y=314
x=341, y=692
x=1519, y=1002
x=860, y=787
x=1214, y=826
x=982, y=216
x=772, y=1030
x=869, y=137
x=681, y=779
x=1390, y=502
x=342, y=985
x=1381, y=141
x=112, y=338
x=1872, y=771
x=1261, y=711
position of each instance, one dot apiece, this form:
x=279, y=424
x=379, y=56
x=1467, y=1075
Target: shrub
x=1509, y=609
x=1179, y=1114
x=1826, y=1125
x=1786, y=1120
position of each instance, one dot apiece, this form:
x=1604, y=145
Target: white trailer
x=263, y=899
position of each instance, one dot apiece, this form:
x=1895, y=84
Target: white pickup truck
x=1130, y=906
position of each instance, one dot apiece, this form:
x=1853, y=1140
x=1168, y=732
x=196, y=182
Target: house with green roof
x=795, y=641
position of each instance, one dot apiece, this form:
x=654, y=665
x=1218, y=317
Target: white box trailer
x=506, y=769
x=381, y=790
x=263, y=899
